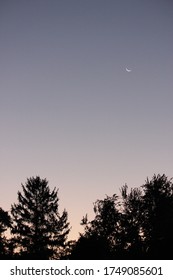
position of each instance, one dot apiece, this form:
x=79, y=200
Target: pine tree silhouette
x=38, y=229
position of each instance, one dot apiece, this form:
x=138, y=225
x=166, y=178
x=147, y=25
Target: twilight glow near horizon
x=69, y=110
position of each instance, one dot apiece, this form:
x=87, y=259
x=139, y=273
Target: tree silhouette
x=136, y=225
x=131, y=223
x=38, y=230
x=5, y=223
x=91, y=247
x=106, y=217
x=158, y=217
x=98, y=240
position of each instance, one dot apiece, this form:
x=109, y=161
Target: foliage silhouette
x=5, y=223
x=91, y=247
x=131, y=223
x=100, y=234
x=136, y=225
x=38, y=230
x=158, y=217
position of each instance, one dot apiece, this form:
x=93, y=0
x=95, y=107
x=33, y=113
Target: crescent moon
x=128, y=70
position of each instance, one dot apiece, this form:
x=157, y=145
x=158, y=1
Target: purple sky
x=70, y=112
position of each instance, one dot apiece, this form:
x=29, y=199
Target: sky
x=69, y=110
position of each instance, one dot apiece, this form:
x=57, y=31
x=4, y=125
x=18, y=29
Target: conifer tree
x=38, y=230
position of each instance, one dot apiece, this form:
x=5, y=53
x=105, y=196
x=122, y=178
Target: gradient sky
x=70, y=112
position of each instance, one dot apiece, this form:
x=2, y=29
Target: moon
x=128, y=70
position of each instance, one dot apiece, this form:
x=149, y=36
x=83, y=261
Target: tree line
x=137, y=224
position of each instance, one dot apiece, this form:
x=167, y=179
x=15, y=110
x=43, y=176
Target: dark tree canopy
x=5, y=223
x=131, y=222
x=98, y=240
x=158, y=216
x=136, y=225
x=106, y=217
x=38, y=229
